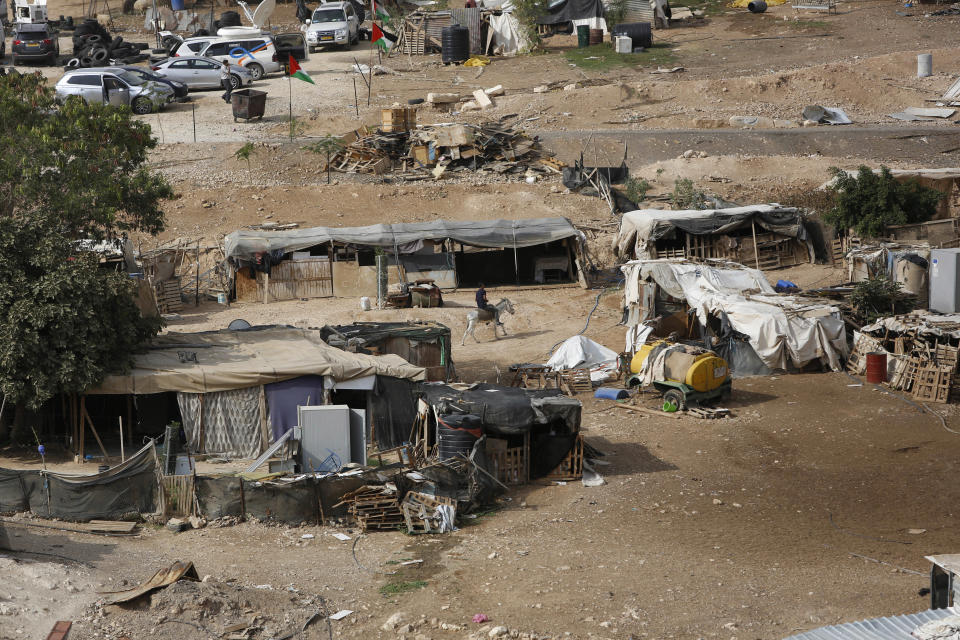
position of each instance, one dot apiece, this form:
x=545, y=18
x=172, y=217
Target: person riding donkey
x=484, y=305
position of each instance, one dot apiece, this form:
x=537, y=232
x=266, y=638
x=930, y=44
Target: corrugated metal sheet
x=639, y=11
x=434, y=24
x=892, y=628
x=469, y=18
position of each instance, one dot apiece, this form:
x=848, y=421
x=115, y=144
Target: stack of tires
x=93, y=46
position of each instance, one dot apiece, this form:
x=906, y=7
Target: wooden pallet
x=374, y=507
x=420, y=511
x=707, y=413
x=178, y=496
x=571, y=468
x=837, y=253
x=577, y=380
x=904, y=374
x=511, y=466
x=168, y=296
x=932, y=384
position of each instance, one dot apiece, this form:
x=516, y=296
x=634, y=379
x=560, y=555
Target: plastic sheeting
x=639, y=229
x=129, y=487
x=507, y=410
x=569, y=10
x=785, y=331
x=505, y=32
x=583, y=353
x=492, y=234
x=283, y=398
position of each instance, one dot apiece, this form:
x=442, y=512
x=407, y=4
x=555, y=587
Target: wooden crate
x=398, y=119
x=571, y=468
x=511, y=466
x=576, y=381
x=373, y=508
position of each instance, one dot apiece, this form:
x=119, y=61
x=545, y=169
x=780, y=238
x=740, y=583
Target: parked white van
x=245, y=46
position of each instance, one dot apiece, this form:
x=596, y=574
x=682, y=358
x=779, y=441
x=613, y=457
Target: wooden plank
x=86, y=414
x=115, y=526
x=60, y=630
x=652, y=412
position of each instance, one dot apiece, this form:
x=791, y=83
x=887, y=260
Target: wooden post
x=129, y=418
x=756, y=249
x=123, y=456
x=86, y=415
x=80, y=425
x=196, y=299
x=264, y=423
x=266, y=288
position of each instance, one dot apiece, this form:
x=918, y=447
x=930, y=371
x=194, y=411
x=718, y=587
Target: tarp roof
x=482, y=233
x=639, y=228
x=239, y=359
x=784, y=330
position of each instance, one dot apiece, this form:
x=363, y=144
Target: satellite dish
x=238, y=325
x=263, y=12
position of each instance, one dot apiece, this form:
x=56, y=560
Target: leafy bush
x=636, y=188
x=878, y=297
x=526, y=12
x=616, y=12
x=870, y=202
x=686, y=196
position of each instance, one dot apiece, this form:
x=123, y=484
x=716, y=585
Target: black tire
x=141, y=106
x=86, y=62
x=115, y=43
x=256, y=70
x=73, y=63
x=159, y=52
x=94, y=38
x=234, y=81
x=140, y=46
x=99, y=55
x=676, y=398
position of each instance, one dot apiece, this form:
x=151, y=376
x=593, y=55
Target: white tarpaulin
x=785, y=331
x=505, y=32
x=584, y=353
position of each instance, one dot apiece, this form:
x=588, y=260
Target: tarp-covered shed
x=785, y=331
x=342, y=262
x=768, y=235
x=424, y=344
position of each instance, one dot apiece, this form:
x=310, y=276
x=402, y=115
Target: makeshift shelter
x=523, y=434
x=236, y=391
x=343, y=262
x=738, y=314
x=765, y=235
x=903, y=263
x=423, y=344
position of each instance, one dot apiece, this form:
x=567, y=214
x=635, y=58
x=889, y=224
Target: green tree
x=870, y=202
x=686, y=196
x=878, y=297
x=71, y=172
x=527, y=12
x=327, y=146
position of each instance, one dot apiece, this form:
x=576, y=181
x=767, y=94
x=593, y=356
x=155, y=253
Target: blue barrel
x=176, y=5
x=609, y=393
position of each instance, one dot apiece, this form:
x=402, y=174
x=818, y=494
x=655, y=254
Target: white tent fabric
x=785, y=331
x=505, y=32
x=582, y=352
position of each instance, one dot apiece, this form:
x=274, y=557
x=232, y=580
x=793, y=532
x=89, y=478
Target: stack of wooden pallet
x=374, y=507
x=420, y=512
x=168, y=296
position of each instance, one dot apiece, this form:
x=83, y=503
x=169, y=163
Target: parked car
x=256, y=53
x=188, y=46
x=290, y=44
x=333, y=23
x=116, y=86
x=198, y=72
x=35, y=42
x=180, y=89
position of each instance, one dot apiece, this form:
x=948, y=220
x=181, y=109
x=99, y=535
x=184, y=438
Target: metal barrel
x=924, y=65
x=876, y=367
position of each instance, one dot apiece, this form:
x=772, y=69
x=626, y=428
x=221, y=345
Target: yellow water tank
x=699, y=369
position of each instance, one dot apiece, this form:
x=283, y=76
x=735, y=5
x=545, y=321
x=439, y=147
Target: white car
x=255, y=52
x=198, y=72
x=333, y=23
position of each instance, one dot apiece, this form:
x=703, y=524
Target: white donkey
x=476, y=316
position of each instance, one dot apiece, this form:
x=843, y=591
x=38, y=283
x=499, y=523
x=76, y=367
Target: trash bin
x=248, y=104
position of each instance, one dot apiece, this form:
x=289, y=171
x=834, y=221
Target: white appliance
x=331, y=436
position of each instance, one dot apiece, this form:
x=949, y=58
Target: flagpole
x=290, y=93
x=373, y=20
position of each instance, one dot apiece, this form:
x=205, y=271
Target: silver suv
x=112, y=85
x=333, y=23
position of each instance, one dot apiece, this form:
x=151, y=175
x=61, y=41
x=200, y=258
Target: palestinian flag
x=383, y=39
x=294, y=71
x=379, y=12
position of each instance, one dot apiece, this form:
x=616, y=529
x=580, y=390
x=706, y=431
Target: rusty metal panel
x=469, y=18
x=639, y=11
